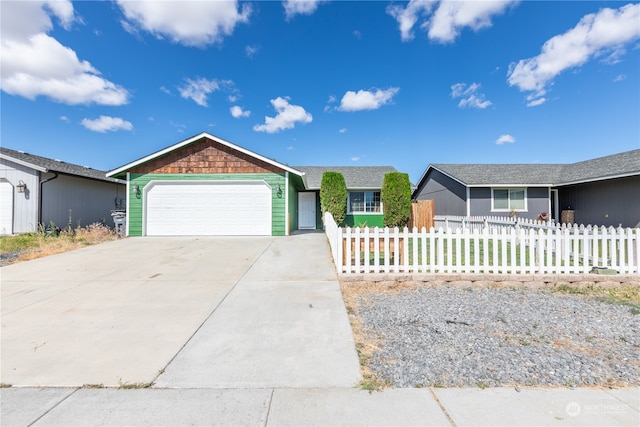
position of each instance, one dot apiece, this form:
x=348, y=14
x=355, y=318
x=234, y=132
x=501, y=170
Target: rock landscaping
x=454, y=333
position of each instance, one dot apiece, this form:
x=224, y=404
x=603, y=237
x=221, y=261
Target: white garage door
x=6, y=207
x=184, y=208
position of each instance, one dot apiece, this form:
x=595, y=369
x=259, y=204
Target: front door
x=307, y=211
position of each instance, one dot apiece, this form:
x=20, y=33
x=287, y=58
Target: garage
x=211, y=208
x=6, y=207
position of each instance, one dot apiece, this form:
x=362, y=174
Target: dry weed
x=67, y=241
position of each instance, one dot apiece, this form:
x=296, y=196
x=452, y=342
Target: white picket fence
x=494, y=222
x=559, y=250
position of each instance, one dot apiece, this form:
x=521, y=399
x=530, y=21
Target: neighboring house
x=205, y=185
x=364, y=205
x=36, y=190
x=602, y=191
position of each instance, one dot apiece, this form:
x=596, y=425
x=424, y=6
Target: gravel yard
x=421, y=335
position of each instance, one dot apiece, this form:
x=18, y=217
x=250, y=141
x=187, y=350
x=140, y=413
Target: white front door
x=307, y=210
x=6, y=207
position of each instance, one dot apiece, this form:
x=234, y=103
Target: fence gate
x=421, y=214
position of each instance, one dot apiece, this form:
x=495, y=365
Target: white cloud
x=300, y=7
x=407, y=17
x=238, y=112
x=342, y=130
x=198, y=90
x=604, y=32
x=287, y=117
x=64, y=119
x=536, y=101
x=366, y=100
x=165, y=90
x=190, y=23
x=471, y=97
x=251, y=51
x=355, y=158
x=449, y=18
x=106, y=124
x=35, y=64
x=505, y=138
x=452, y=16
x=620, y=77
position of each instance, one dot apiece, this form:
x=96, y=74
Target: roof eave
x=602, y=178
x=509, y=185
x=24, y=163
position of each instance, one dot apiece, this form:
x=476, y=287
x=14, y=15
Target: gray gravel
x=450, y=336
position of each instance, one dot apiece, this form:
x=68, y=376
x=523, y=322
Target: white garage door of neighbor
x=6, y=207
x=208, y=209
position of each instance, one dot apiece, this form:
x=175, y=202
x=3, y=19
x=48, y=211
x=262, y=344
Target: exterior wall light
x=136, y=189
x=21, y=187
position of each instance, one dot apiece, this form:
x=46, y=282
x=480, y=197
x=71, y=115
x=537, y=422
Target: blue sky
x=323, y=82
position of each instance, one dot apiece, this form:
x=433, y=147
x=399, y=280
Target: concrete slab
x=113, y=407
x=271, y=334
x=351, y=407
x=299, y=257
x=542, y=406
x=284, y=325
x=23, y=406
x=628, y=396
x=70, y=320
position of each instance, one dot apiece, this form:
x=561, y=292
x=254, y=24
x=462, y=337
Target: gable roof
x=123, y=169
x=44, y=164
x=543, y=175
x=356, y=177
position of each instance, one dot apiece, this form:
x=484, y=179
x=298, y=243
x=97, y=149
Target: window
x=364, y=202
x=509, y=199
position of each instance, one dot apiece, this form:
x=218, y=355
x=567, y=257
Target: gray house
x=602, y=191
x=36, y=190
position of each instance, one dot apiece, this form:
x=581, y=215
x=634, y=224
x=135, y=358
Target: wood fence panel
x=422, y=214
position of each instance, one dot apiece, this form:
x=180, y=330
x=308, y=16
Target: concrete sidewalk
x=319, y=407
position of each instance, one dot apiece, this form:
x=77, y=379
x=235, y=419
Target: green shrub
x=396, y=199
x=333, y=196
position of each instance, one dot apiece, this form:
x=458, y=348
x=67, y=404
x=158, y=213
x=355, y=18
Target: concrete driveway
x=201, y=311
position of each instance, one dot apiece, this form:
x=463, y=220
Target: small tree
x=396, y=199
x=333, y=196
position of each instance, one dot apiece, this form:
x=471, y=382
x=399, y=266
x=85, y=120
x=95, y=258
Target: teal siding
x=278, y=214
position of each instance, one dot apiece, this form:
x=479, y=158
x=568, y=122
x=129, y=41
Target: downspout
x=55, y=175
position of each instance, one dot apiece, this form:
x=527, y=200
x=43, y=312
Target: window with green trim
x=364, y=202
x=509, y=199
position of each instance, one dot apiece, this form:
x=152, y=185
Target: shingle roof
x=616, y=165
x=493, y=174
x=51, y=165
x=356, y=177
